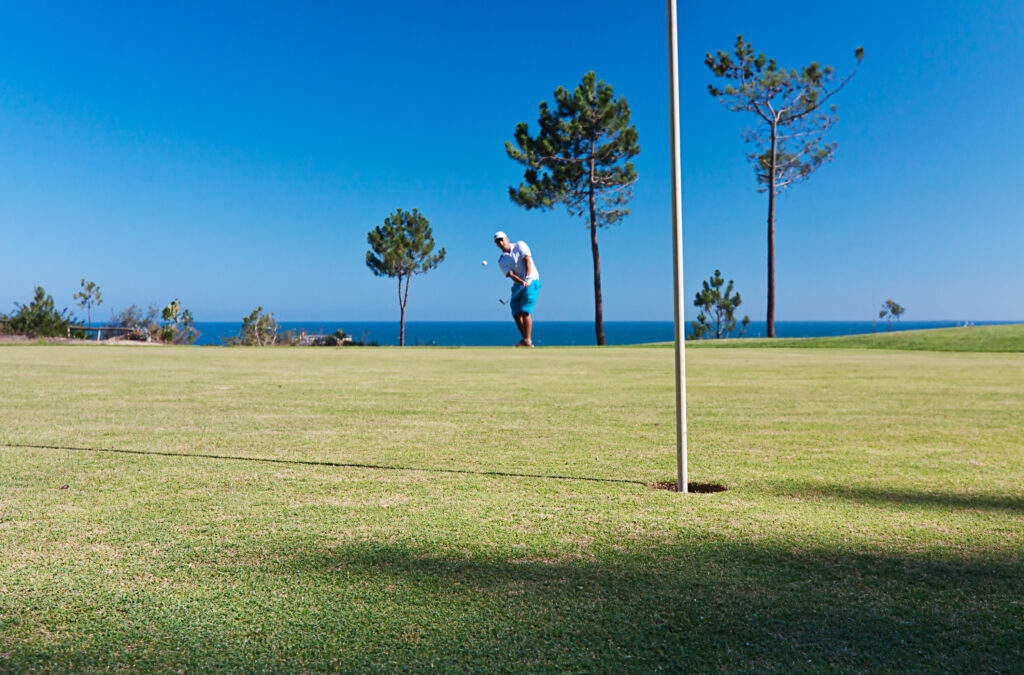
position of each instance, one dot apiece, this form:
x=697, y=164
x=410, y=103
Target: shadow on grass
x=304, y=462
x=887, y=496
x=691, y=606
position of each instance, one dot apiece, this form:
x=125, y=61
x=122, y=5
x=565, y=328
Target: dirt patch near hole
x=699, y=488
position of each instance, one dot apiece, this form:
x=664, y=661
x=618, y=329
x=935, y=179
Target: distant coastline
x=556, y=333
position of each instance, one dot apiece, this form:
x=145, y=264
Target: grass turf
x=998, y=338
x=872, y=521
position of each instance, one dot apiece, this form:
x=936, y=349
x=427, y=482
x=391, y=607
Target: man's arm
x=519, y=280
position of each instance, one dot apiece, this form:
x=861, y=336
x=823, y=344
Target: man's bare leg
x=519, y=324
x=527, y=329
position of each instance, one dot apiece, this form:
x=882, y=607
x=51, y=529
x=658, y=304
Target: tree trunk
x=401, y=305
x=598, y=305
x=770, y=320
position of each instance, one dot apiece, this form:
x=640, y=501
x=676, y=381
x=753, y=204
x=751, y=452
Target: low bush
x=40, y=318
x=178, y=325
x=259, y=329
x=143, y=325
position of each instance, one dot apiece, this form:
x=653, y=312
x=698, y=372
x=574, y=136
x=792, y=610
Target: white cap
x=500, y=235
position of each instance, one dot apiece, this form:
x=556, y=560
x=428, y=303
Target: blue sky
x=236, y=154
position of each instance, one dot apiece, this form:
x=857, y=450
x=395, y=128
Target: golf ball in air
x=484, y=263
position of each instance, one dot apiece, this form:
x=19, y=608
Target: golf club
x=514, y=294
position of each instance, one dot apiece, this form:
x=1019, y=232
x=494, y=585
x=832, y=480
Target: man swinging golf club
x=516, y=262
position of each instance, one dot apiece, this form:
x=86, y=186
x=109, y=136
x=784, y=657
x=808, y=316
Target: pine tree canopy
x=40, y=317
x=585, y=142
x=402, y=246
x=717, y=309
x=792, y=105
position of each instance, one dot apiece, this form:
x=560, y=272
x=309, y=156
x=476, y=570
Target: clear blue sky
x=236, y=154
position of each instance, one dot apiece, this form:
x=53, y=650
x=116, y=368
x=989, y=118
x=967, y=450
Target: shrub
x=259, y=329
x=40, y=317
x=178, y=326
x=336, y=339
x=142, y=325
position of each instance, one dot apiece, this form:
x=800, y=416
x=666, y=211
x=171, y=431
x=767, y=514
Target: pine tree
x=792, y=122
x=717, y=309
x=580, y=158
x=891, y=310
x=401, y=248
x=40, y=318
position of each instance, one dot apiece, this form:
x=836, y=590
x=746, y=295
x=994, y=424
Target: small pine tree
x=401, y=247
x=40, y=317
x=717, y=309
x=891, y=310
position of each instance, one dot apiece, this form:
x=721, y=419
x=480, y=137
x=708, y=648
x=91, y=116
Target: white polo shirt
x=514, y=261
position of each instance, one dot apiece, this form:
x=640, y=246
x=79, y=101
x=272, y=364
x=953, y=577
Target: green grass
x=872, y=522
x=1001, y=338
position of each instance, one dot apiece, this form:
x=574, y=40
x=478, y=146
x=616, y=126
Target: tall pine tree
x=791, y=123
x=580, y=157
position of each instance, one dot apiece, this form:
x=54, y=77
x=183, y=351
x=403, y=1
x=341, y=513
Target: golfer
x=516, y=262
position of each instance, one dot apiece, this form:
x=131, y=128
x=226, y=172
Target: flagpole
x=677, y=250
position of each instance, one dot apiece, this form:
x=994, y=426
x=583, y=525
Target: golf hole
x=699, y=488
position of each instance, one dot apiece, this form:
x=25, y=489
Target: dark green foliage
x=588, y=131
x=717, y=310
x=335, y=339
x=580, y=157
x=177, y=326
x=401, y=247
x=792, y=119
x=363, y=340
x=88, y=297
x=40, y=318
x=890, y=310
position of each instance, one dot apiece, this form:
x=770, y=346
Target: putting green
x=427, y=508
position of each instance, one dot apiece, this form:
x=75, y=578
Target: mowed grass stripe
x=997, y=338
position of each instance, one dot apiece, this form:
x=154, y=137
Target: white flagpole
x=677, y=249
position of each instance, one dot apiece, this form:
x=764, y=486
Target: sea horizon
x=557, y=333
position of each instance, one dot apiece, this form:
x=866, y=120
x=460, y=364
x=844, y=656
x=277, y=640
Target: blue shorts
x=524, y=298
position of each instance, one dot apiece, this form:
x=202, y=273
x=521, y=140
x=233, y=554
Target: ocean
x=551, y=333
